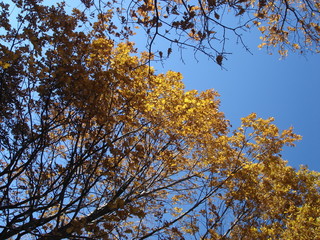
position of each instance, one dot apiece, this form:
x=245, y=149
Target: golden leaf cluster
x=96, y=144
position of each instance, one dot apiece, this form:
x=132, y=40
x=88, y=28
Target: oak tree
x=94, y=144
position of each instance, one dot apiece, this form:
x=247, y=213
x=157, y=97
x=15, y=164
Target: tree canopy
x=95, y=144
x=206, y=26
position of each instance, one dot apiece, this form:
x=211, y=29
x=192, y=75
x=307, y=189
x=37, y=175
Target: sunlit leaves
x=96, y=144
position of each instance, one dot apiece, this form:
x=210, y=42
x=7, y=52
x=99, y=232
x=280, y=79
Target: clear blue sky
x=288, y=90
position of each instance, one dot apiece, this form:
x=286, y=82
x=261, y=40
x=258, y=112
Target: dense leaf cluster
x=95, y=145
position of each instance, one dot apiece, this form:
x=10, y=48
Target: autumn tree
x=94, y=144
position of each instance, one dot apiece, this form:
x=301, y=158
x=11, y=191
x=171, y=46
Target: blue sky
x=288, y=90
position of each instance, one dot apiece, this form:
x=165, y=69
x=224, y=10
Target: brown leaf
x=219, y=59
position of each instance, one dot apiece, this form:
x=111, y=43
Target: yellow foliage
x=96, y=144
